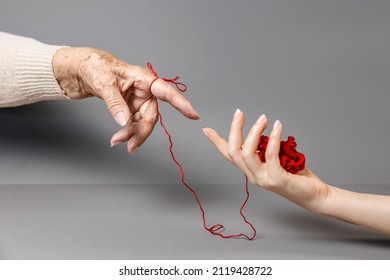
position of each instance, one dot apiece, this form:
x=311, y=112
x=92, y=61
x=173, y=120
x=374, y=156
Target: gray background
x=321, y=67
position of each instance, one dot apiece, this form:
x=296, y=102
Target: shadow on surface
x=288, y=216
x=44, y=125
x=67, y=136
x=71, y=135
x=379, y=242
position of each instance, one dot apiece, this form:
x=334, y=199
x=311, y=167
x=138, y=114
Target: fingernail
x=276, y=125
x=114, y=143
x=120, y=119
x=260, y=119
x=236, y=113
x=205, y=132
x=131, y=146
x=133, y=151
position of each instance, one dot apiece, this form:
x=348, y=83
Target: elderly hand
x=303, y=188
x=86, y=72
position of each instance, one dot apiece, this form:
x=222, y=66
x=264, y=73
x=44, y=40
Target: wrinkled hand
x=87, y=72
x=303, y=188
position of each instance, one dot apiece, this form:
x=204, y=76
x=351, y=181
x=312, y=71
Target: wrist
x=65, y=64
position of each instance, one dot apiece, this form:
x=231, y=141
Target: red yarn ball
x=290, y=159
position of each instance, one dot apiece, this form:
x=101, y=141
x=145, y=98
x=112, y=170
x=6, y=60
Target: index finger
x=167, y=93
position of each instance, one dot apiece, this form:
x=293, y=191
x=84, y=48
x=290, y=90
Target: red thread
x=180, y=86
x=290, y=159
x=215, y=229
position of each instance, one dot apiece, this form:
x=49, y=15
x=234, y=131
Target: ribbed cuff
x=34, y=74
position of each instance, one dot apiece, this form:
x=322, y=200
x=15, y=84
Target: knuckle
x=113, y=103
x=140, y=69
x=152, y=120
x=155, y=119
x=142, y=75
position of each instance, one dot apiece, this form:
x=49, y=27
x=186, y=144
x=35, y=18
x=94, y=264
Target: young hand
x=303, y=188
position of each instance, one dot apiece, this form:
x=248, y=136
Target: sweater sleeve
x=26, y=72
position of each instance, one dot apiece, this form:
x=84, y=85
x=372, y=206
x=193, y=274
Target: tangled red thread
x=290, y=159
x=217, y=228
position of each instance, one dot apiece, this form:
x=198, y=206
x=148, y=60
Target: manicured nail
x=236, y=113
x=276, y=125
x=205, y=132
x=120, y=119
x=260, y=119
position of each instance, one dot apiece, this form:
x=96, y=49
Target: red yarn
x=180, y=86
x=215, y=229
x=290, y=159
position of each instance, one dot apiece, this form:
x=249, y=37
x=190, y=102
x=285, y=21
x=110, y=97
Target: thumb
x=117, y=106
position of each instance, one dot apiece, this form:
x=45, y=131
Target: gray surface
x=163, y=222
x=321, y=67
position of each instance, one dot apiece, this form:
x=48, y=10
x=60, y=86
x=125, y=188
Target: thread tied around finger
x=180, y=86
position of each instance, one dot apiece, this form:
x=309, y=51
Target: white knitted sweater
x=26, y=73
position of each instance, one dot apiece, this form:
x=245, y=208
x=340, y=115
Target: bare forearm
x=367, y=210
